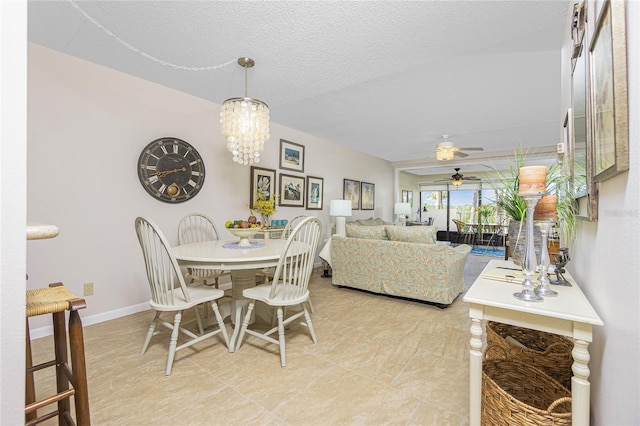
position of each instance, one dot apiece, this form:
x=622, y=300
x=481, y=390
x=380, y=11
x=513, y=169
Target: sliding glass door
x=468, y=203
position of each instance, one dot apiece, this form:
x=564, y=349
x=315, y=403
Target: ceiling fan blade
x=460, y=154
x=472, y=148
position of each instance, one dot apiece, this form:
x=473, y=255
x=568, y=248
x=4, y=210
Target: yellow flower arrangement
x=265, y=206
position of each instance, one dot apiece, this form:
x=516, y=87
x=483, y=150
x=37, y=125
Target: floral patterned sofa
x=399, y=261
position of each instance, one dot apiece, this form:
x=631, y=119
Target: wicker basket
x=514, y=393
x=549, y=352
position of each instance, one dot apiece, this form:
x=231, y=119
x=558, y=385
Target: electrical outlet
x=88, y=289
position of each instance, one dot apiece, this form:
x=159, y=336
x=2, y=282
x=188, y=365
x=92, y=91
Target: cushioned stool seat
x=56, y=300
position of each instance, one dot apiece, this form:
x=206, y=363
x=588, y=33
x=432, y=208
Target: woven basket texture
x=549, y=352
x=514, y=393
x=48, y=300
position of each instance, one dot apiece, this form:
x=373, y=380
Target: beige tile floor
x=378, y=361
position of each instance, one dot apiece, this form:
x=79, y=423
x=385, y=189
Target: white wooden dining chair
x=194, y=228
x=268, y=273
x=169, y=292
x=289, y=286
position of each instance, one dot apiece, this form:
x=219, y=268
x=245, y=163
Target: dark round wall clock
x=171, y=170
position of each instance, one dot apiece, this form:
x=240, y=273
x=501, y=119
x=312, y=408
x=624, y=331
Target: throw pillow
x=367, y=232
x=372, y=221
x=411, y=234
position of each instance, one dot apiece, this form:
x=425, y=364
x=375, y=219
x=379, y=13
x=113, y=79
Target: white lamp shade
x=402, y=208
x=340, y=208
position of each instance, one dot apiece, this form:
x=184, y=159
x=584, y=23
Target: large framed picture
x=608, y=114
x=291, y=190
x=263, y=184
x=291, y=156
x=315, y=190
x=368, y=195
x=351, y=191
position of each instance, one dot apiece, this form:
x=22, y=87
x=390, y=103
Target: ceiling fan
x=446, y=151
x=457, y=178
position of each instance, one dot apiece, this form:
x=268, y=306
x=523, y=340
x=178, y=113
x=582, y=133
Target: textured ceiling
x=386, y=78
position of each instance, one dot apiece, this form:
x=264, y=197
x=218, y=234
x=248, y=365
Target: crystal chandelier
x=244, y=123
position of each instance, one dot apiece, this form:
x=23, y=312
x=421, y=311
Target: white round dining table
x=243, y=264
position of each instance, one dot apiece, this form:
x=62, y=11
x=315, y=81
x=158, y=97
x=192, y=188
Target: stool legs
x=74, y=372
x=30, y=390
x=76, y=343
x=60, y=348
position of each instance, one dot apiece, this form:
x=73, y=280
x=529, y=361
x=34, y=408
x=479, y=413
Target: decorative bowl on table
x=244, y=234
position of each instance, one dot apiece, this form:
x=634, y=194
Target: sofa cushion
x=372, y=221
x=366, y=232
x=412, y=234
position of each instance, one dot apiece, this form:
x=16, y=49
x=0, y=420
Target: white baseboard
x=94, y=319
x=36, y=333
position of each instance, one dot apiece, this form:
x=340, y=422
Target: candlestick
x=543, y=289
x=546, y=209
x=532, y=180
x=529, y=262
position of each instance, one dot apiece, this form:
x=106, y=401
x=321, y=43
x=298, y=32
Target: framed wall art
x=608, y=115
x=576, y=128
x=263, y=184
x=368, y=195
x=315, y=192
x=351, y=191
x=291, y=156
x=291, y=190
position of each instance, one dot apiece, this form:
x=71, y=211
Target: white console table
x=569, y=314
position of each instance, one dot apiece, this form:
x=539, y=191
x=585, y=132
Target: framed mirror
x=576, y=124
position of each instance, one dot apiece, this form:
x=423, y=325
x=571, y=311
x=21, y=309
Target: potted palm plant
x=507, y=187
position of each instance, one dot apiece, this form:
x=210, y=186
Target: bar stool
x=56, y=299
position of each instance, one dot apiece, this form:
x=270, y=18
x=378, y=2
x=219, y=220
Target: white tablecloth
x=325, y=253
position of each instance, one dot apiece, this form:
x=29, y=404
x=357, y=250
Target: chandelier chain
x=140, y=52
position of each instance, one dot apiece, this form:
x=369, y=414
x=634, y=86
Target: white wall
x=606, y=258
x=13, y=152
x=86, y=128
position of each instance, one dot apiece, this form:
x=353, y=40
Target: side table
x=270, y=233
x=569, y=314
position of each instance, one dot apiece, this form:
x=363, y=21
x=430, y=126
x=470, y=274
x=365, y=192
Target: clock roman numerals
x=171, y=170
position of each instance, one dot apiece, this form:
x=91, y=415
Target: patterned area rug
x=491, y=251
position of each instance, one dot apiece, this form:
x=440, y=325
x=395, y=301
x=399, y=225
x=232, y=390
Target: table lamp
x=402, y=210
x=340, y=209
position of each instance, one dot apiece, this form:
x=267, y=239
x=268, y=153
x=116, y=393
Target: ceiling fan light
x=444, y=155
x=456, y=182
x=445, y=146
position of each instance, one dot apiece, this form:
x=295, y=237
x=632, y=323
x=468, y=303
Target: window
x=469, y=203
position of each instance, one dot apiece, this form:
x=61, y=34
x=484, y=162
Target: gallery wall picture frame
x=291, y=190
x=315, y=193
x=291, y=156
x=576, y=124
x=608, y=109
x=367, y=195
x=263, y=184
x=351, y=191
x=577, y=29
